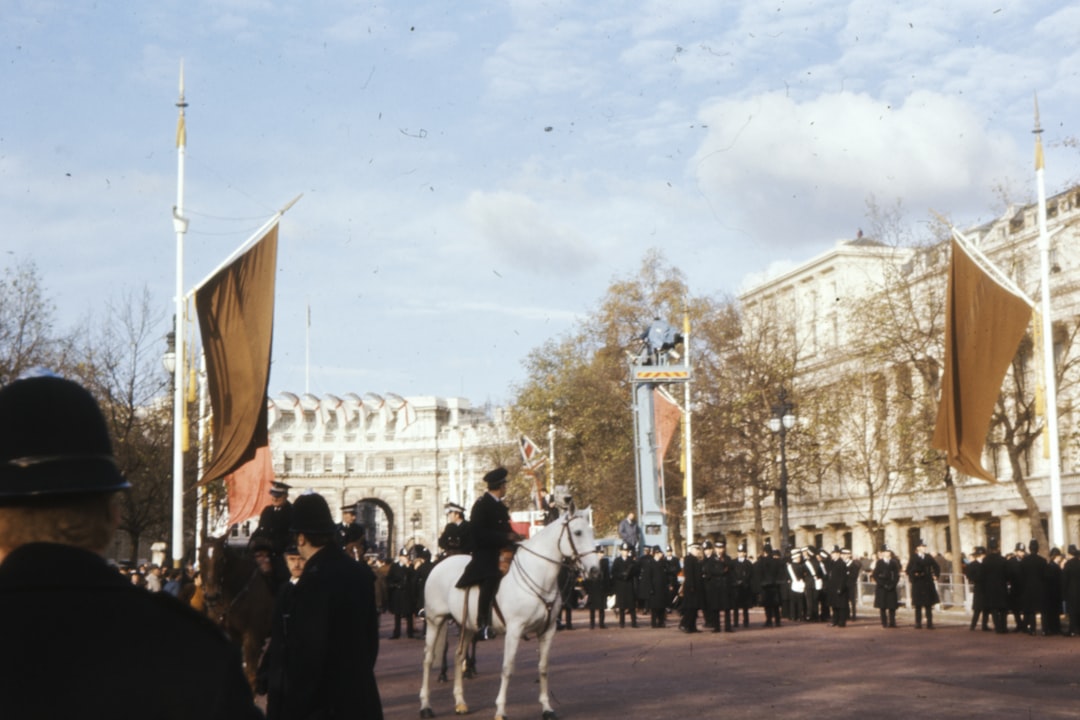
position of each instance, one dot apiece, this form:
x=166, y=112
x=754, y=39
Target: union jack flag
x=530, y=453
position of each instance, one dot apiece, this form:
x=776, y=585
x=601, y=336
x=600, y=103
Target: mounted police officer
x=491, y=532
x=276, y=518
x=349, y=531
x=456, y=538
x=80, y=639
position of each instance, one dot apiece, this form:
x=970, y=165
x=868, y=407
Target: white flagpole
x=1057, y=523
x=688, y=446
x=307, y=352
x=180, y=225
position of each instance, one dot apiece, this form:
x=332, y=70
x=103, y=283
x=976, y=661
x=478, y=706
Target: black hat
x=625, y=546
x=403, y=552
x=707, y=545
x=768, y=547
x=496, y=478
x=721, y=544
x=1055, y=552
x=742, y=547
x=885, y=548
x=277, y=488
x=979, y=550
x=1019, y=548
x=351, y=508
x=668, y=549
x=311, y=514
x=259, y=543
x=836, y=549
x=656, y=549
x=920, y=543
x=1073, y=550
x=292, y=550
x=454, y=507
x=54, y=441
x=1033, y=546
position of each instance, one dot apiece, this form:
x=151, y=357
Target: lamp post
x=782, y=420
x=415, y=519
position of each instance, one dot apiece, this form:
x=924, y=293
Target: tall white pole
x=307, y=352
x=551, y=452
x=688, y=446
x=180, y=224
x=1057, y=523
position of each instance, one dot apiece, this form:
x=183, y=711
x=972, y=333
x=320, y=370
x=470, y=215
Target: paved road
x=796, y=671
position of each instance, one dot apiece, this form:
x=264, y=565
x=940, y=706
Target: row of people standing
x=1027, y=586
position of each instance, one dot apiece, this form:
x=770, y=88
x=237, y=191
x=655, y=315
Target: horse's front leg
x=545, y=652
x=436, y=631
x=510, y=645
x=460, y=708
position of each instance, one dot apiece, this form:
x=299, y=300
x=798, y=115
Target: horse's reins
x=573, y=562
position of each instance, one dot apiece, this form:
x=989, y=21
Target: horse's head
x=577, y=543
x=212, y=563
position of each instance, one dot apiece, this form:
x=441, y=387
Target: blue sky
x=476, y=173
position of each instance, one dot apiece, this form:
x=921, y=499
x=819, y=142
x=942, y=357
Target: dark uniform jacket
x=716, y=570
x=331, y=641
x=693, y=589
x=274, y=524
x=922, y=572
x=456, y=538
x=654, y=584
x=837, y=589
x=82, y=642
x=598, y=588
x=349, y=533
x=742, y=572
x=401, y=582
x=886, y=576
x=995, y=586
x=491, y=531
x=624, y=573
x=1033, y=568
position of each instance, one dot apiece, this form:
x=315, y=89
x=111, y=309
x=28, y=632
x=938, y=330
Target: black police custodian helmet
x=311, y=515
x=54, y=441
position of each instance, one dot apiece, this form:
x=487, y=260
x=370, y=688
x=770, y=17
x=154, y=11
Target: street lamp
x=782, y=420
x=168, y=360
x=415, y=519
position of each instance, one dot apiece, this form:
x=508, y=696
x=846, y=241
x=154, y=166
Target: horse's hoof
x=427, y=713
x=549, y=715
x=461, y=709
x=469, y=674
x=443, y=678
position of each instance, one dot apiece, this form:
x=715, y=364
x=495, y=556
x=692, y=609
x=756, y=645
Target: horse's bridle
x=572, y=562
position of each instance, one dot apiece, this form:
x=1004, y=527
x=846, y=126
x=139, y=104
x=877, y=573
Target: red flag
x=667, y=415
x=531, y=454
x=248, y=486
x=236, y=321
x=984, y=323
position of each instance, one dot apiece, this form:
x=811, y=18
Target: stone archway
x=378, y=527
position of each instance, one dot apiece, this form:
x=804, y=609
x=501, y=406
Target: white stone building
x=402, y=458
x=813, y=296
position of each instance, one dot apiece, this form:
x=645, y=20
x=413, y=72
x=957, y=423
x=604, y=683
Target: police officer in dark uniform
x=456, y=538
x=80, y=639
x=491, y=533
x=693, y=589
x=349, y=531
x=923, y=572
x=276, y=518
x=332, y=629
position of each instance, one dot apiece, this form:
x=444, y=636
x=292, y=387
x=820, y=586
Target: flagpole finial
x=1038, y=128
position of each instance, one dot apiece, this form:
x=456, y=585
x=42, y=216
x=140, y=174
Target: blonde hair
x=85, y=521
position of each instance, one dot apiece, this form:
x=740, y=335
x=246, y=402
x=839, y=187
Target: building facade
x=818, y=296
x=401, y=458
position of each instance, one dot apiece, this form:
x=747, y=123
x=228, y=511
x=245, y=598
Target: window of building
x=328, y=463
x=389, y=463
x=369, y=464
x=288, y=463
x=418, y=495
x=309, y=464
x=350, y=463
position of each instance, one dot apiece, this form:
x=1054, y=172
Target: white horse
x=527, y=601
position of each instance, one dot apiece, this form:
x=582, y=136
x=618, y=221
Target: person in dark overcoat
x=692, y=590
x=491, y=534
x=766, y=584
x=654, y=583
x=673, y=569
x=973, y=571
x=742, y=576
x=270, y=679
x=624, y=574
x=853, y=570
x=815, y=583
x=886, y=577
x=349, y=531
x=836, y=588
x=1052, y=594
x=332, y=630
x=923, y=572
x=995, y=586
x=1070, y=588
x=1033, y=568
x=276, y=518
x=80, y=640
x=716, y=571
x=401, y=582
x=597, y=589
x=1014, y=575
x=421, y=566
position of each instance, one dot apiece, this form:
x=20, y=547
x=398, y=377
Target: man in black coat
x=80, y=640
x=276, y=518
x=1033, y=568
x=349, y=531
x=331, y=633
x=767, y=579
x=923, y=571
x=995, y=586
x=401, y=582
x=973, y=570
x=624, y=574
x=837, y=588
x=742, y=573
x=693, y=590
x=597, y=589
x=491, y=533
x=853, y=570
